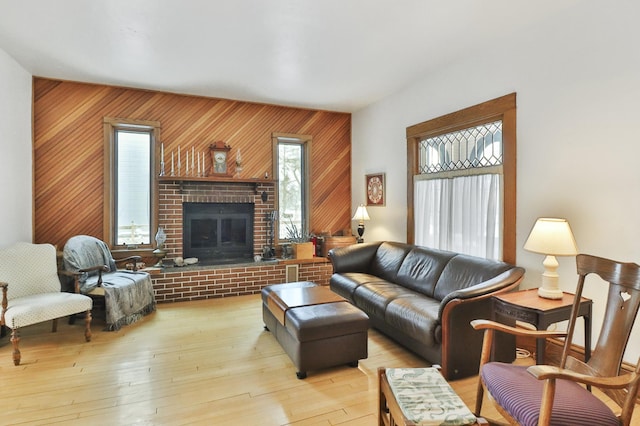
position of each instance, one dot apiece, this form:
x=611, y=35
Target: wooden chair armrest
x=125, y=259
x=135, y=260
x=481, y=324
x=543, y=372
x=99, y=268
x=75, y=276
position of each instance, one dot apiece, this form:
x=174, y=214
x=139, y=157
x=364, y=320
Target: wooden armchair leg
x=15, y=340
x=87, y=326
x=487, y=345
x=479, y=396
x=382, y=400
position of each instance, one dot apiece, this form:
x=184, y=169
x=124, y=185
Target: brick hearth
x=180, y=284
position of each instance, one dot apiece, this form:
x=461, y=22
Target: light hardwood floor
x=206, y=362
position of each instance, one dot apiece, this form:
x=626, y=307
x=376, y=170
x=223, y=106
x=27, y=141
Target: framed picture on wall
x=375, y=189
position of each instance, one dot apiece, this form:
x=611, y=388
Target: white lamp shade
x=552, y=236
x=361, y=213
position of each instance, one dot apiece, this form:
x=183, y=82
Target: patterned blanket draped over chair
x=128, y=294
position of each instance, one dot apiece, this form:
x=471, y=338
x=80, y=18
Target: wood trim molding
x=470, y=116
x=503, y=108
x=307, y=142
x=109, y=126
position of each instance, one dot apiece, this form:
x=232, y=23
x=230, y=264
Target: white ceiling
x=337, y=55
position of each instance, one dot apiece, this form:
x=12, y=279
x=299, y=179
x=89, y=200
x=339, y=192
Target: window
x=291, y=169
x=458, y=191
x=462, y=181
x=130, y=217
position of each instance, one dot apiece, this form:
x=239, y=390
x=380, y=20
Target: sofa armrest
x=486, y=288
x=353, y=258
x=461, y=344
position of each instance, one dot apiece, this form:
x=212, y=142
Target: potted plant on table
x=300, y=244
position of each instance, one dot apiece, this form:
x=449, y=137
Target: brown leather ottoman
x=315, y=336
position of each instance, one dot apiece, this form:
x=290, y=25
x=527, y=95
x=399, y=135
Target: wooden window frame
x=504, y=109
x=110, y=125
x=306, y=141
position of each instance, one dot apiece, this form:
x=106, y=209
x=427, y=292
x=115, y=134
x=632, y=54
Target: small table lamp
x=551, y=237
x=361, y=215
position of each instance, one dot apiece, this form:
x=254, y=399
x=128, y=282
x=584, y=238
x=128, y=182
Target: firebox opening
x=218, y=233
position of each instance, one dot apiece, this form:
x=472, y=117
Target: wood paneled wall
x=68, y=148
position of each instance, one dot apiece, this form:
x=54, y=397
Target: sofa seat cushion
x=346, y=284
x=373, y=298
x=415, y=316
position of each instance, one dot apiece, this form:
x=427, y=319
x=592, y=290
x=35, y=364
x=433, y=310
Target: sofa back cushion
x=464, y=271
x=421, y=269
x=388, y=259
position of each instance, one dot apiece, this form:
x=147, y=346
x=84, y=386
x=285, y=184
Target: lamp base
x=360, y=238
x=159, y=253
x=550, y=288
x=550, y=293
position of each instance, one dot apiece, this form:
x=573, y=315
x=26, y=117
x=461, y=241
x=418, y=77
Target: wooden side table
x=527, y=306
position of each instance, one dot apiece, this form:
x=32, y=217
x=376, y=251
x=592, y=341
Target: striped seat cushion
x=520, y=394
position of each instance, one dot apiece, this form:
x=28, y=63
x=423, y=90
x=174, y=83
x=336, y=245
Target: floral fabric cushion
x=425, y=397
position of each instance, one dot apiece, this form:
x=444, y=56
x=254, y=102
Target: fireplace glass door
x=218, y=233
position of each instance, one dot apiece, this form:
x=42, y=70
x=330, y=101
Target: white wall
x=577, y=79
x=15, y=152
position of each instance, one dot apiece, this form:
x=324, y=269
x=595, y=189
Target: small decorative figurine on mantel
x=219, y=157
x=238, y=163
x=160, y=252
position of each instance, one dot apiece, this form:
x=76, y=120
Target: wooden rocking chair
x=547, y=395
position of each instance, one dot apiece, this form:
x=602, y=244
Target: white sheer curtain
x=460, y=214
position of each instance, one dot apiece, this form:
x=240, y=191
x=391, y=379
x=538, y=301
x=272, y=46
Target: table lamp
x=551, y=237
x=361, y=215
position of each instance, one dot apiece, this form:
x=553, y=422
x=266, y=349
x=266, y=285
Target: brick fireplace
x=172, y=196
x=204, y=282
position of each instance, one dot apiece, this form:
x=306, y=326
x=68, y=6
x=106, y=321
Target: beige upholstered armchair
x=31, y=291
x=128, y=295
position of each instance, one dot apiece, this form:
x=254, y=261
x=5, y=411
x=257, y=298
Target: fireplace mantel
x=181, y=180
x=221, y=179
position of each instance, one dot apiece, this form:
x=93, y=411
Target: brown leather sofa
x=425, y=299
